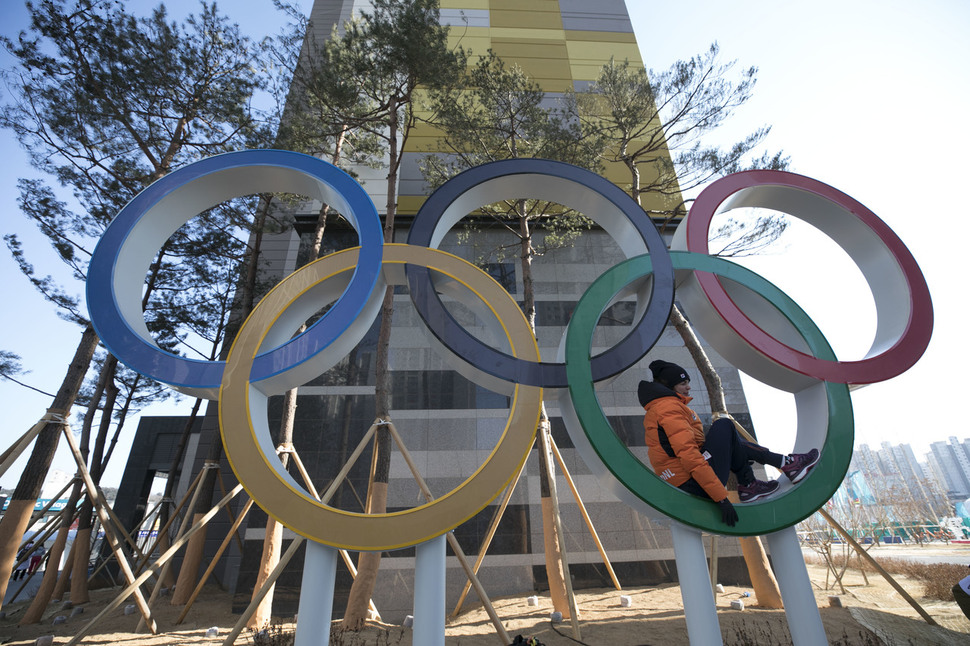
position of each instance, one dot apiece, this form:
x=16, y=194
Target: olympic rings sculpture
x=742, y=316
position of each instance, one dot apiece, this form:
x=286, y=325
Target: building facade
x=894, y=474
x=952, y=462
x=448, y=423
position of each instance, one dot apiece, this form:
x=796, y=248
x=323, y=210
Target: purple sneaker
x=756, y=490
x=800, y=466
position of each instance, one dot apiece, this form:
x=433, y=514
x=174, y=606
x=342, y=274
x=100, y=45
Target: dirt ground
x=871, y=614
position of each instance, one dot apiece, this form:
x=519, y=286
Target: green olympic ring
x=581, y=408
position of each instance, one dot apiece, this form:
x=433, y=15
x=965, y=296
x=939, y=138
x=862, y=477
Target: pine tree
x=106, y=102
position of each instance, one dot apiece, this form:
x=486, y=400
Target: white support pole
x=316, y=595
x=429, y=593
x=695, y=586
x=801, y=610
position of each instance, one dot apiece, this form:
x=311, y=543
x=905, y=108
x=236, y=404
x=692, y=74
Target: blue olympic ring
x=121, y=259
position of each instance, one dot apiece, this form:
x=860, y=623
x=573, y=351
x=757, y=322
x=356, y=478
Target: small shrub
x=763, y=635
x=937, y=578
x=384, y=637
x=272, y=635
x=759, y=635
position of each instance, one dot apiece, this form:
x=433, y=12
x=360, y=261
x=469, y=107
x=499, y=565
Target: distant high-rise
x=893, y=472
x=952, y=459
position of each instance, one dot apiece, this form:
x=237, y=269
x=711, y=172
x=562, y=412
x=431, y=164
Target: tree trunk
x=368, y=563
x=552, y=546
x=766, y=592
x=189, y=571
x=273, y=539
x=64, y=578
x=556, y=573
x=14, y=522
x=79, y=579
x=248, y=286
x=123, y=411
x=35, y=611
x=272, y=542
x=167, y=504
x=712, y=381
x=754, y=558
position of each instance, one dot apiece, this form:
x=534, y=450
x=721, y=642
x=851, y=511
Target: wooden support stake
x=452, y=541
x=258, y=597
x=270, y=581
x=214, y=560
x=13, y=452
x=554, y=501
x=713, y=565
x=94, y=494
x=173, y=517
x=117, y=522
x=232, y=519
x=303, y=472
x=149, y=517
x=156, y=566
x=332, y=489
x=582, y=510
x=489, y=535
x=186, y=523
x=864, y=554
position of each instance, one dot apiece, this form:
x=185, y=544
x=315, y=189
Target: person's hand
x=728, y=515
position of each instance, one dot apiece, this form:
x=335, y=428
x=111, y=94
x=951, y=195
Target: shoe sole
x=759, y=496
x=804, y=472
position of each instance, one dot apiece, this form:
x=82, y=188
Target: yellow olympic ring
x=245, y=429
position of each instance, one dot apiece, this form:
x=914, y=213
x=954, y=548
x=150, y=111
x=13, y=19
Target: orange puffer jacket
x=670, y=426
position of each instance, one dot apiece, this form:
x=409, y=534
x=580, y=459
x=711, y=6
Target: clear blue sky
x=870, y=97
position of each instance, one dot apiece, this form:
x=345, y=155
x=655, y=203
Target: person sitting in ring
x=682, y=456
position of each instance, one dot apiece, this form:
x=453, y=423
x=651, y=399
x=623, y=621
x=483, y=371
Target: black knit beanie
x=669, y=374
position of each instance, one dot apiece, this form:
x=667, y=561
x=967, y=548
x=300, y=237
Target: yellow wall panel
x=528, y=35
x=409, y=204
x=545, y=62
x=590, y=52
x=464, y=4
x=529, y=19
x=525, y=5
x=477, y=44
x=587, y=71
x=516, y=49
x=601, y=36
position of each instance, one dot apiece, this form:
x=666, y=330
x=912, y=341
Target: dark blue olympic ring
x=593, y=196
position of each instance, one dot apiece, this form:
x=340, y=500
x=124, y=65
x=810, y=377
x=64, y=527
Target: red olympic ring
x=903, y=305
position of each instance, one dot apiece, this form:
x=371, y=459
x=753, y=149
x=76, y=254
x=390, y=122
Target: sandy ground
x=871, y=614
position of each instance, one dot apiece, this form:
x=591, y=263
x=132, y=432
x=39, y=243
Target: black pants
x=731, y=453
x=962, y=599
